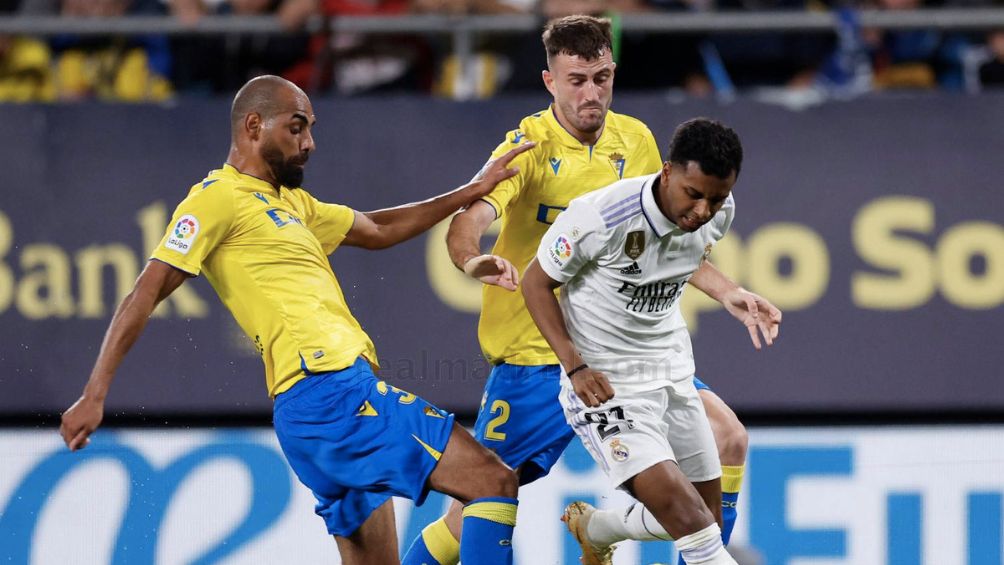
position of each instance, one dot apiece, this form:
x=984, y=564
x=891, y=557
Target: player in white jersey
x=624, y=255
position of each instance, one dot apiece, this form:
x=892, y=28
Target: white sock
x=634, y=523
x=704, y=548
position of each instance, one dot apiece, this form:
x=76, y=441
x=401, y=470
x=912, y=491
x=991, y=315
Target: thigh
x=467, y=470
x=354, y=444
x=625, y=435
x=374, y=543
x=521, y=419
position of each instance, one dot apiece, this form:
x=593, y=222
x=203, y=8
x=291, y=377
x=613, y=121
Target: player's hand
x=492, y=269
x=497, y=170
x=592, y=387
x=80, y=421
x=756, y=313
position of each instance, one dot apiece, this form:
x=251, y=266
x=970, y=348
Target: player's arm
x=383, y=228
x=538, y=293
x=157, y=281
x=753, y=310
x=463, y=241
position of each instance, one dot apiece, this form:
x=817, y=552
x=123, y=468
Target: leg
x=454, y=516
x=521, y=421
x=670, y=497
x=439, y=542
x=730, y=434
x=374, y=543
x=711, y=494
x=373, y=441
x=470, y=473
x=684, y=425
x=732, y=442
x=467, y=471
x=683, y=511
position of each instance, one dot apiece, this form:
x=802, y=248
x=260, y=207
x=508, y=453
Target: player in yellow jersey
x=581, y=147
x=263, y=243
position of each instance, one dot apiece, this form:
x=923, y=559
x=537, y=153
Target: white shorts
x=636, y=430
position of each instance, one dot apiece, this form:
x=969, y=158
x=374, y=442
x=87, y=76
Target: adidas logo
x=632, y=269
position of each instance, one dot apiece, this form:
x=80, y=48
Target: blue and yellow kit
x=520, y=417
x=353, y=440
x=551, y=174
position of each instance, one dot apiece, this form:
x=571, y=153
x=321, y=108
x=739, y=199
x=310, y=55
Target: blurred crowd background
x=136, y=68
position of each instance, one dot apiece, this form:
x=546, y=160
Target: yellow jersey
x=265, y=252
x=559, y=169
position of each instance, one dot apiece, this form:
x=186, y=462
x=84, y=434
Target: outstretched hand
x=756, y=313
x=497, y=170
x=80, y=421
x=492, y=269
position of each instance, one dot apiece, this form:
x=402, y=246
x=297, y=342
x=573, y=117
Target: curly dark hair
x=711, y=144
x=585, y=36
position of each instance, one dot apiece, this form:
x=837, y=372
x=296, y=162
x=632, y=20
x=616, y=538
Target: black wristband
x=577, y=369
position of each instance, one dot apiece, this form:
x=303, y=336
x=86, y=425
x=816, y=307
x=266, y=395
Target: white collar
x=659, y=223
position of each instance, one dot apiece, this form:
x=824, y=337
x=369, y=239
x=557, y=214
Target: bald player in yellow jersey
x=262, y=241
x=581, y=147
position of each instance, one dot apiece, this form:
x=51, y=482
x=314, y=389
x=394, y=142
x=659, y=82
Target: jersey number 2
x=503, y=407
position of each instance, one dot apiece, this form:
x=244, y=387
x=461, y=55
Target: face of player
x=287, y=141
x=690, y=198
x=582, y=91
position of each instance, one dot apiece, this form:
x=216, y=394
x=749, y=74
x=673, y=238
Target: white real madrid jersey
x=624, y=267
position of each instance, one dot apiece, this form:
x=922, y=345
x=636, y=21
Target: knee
x=732, y=441
x=684, y=514
x=499, y=480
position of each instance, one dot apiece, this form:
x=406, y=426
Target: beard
x=288, y=172
x=590, y=124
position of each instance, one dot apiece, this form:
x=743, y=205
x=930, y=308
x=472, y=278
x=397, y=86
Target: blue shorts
x=521, y=419
x=699, y=384
x=355, y=442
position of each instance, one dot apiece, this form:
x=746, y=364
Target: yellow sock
x=441, y=543
x=732, y=477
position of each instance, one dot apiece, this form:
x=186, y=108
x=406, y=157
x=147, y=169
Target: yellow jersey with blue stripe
x=559, y=169
x=265, y=252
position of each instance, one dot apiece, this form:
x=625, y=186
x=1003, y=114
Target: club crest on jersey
x=561, y=250
x=619, y=451
x=635, y=244
x=707, y=252
x=618, y=160
x=555, y=164
x=183, y=235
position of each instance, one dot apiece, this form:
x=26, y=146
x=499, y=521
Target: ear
x=253, y=125
x=667, y=169
x=548, y=81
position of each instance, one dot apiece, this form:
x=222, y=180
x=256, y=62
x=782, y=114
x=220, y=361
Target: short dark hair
x=585, y=36
x=714, y=146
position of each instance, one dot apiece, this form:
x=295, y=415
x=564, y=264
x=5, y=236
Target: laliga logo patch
x=561, y=250
x=619, y=451
x=183, y=235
